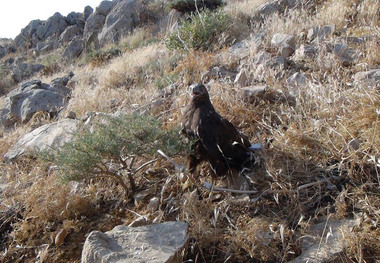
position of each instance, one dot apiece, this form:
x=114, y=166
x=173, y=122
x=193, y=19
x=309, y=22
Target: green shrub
x=112, y=147
x=99, y=57
x=199, y=31
x=51, y=69
x=192, y=5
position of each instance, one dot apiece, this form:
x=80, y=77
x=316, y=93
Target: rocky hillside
x=88, y=99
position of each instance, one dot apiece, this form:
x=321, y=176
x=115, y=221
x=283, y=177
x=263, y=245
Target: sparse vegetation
x=320, y=156
x=204, y=30
x=194, y=5
x=97, y=58
x=117, y=148
x=6, y=81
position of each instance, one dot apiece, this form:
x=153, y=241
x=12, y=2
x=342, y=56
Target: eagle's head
x=198, y=91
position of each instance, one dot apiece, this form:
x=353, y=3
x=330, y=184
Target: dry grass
x=334, y=13
x=243, y=8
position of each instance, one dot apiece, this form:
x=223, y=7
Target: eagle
x=214, y=139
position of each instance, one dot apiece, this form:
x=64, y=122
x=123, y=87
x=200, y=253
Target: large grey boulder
x=49, y=135
x=94, y=23
x=243, y=49
x=218, y=73
x=28, y=36
x=46, y=46
x=33, y=96
x=93, y=26
x=22, y=71
x=87, y=12
x=70, y=33
x=121, y=20
x=74, y=18
x=165, y=242
x=104, y=8
x=54, y=26
x=5, y=50
x=37, y=31
x=74, y=49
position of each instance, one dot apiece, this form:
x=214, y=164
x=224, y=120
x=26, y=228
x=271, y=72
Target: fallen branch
x=179, y=167
x=326, y=180
x=210, y=187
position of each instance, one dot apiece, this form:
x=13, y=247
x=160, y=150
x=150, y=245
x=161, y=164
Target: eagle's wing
x=221, y=139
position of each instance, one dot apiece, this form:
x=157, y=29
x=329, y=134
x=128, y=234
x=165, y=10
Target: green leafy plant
x=192, y=5
x=116, y=148
x=199, y=31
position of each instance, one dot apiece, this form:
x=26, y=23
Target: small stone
x=153, y=204
x=140, y=196
x=194, y=195
x=71, y=115
x=241, y=200
x=306, y=51
x=295, y=83
x=241, y=78
x=254, y=91
x=354, y=144
x=285, y=43
x=297, y=80
x=342, y=52
x=320, y=33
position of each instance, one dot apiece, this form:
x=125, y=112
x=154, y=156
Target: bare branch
x=179, y=167
x=145, y=164
x=210, y=187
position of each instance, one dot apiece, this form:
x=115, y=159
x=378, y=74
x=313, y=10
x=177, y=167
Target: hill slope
x=300, y=79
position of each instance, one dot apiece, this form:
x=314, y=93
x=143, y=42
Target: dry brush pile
x=320, y=154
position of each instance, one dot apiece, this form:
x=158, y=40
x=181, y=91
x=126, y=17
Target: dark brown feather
x=217, y=141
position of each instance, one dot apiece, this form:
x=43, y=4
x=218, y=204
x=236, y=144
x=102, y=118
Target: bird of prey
x=215, y=139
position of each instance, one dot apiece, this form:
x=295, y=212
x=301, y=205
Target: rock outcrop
x=49, y=135
x=33, y=96
x=121, y=20
x=165, y=242
x=22, y=71
x=70, y=33
x=324, y=244
x=74, y=49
